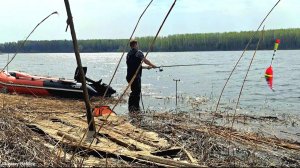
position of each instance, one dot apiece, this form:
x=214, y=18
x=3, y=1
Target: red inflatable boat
x=22, y=83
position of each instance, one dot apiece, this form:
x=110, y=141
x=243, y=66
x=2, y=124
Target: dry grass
x=30, y=104
x=20, y=146
x=222, y=146
x=212, y=145
x=24, y=146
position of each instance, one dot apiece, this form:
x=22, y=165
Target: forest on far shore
x=227, y=41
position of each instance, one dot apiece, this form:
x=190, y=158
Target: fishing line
x=250, y=40
x=23, y=42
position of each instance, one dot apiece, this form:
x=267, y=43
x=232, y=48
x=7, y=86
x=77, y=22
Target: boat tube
x=23, y=83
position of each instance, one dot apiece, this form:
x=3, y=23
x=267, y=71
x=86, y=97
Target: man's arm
x=146, y=61
x=140, y=55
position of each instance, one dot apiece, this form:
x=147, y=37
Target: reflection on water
x=196, y=82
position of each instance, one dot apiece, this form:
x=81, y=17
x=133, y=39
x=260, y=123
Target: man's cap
x=132, y=42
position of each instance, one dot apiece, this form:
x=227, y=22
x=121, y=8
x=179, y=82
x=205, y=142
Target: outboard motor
x=100, y=88
x=76, y=75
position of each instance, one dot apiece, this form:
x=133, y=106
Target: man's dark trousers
x=135, y=95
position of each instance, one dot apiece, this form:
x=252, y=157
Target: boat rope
x=238, y=100
x=124, y=49
x=131, y=81
x=250, y=40
x=24, y=41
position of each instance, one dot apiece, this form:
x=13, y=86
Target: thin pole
x=7, y=61
x=176, y=93
x=176, y=80
x=244, y=81
x=24, y=41
x=90, y=118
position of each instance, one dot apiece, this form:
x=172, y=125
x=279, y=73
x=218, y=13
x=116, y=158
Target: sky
x=115, y=19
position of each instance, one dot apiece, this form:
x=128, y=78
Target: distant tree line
x=228, y=41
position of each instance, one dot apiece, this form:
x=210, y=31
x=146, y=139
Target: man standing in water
x=133, y=60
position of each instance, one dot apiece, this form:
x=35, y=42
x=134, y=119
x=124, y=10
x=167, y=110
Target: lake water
x=197, y=83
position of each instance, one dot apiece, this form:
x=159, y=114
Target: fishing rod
x=177, y=65
x=23, y=42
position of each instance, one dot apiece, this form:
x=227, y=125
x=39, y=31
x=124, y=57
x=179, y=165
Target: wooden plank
x=106, y=147
x=124, y=133
x=115, y=140
x=165, y=161
x=116, y=137
x=110, y=135
x=146, y=137
x=189, y=155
